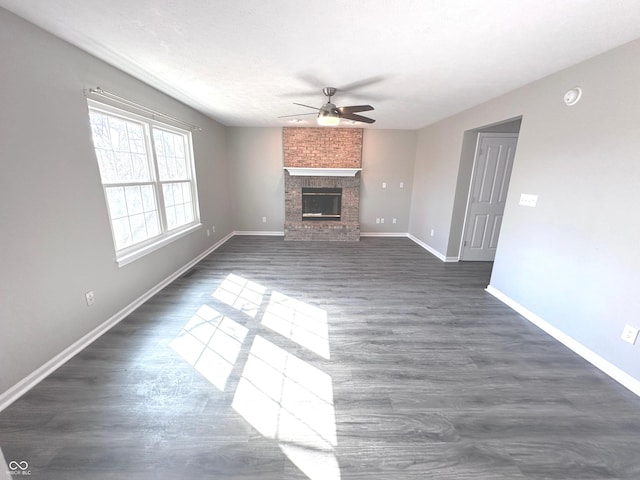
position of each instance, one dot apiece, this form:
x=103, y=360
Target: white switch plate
x=384, y=184
x=264, y=219
x=401, y=184
x=528, y=200
x=629, y=334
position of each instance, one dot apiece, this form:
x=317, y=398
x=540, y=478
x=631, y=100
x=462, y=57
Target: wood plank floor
x=296, y=360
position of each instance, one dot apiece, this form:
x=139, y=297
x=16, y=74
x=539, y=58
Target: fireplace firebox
x=321, y=204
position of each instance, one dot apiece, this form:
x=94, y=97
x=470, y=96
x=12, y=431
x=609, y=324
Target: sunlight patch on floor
x=210, y=342
x=283, y=397
x=291, y=401
x=298, y=321
x=5, y=473
x=241, y=294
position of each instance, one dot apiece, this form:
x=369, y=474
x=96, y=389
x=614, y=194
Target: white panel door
x=488, y=193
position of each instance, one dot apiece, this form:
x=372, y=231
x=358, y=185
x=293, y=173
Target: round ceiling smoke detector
x=572, y=96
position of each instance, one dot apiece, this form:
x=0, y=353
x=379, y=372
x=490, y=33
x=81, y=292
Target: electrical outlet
x=382, y=220
x=394, y=221
x=432, y=232
x=377, y=220
x=208, y=232
x=401, y=184
x=213, y=228
x=384, y=184
x=264, y=219
x=629, y=334
x=90, y=297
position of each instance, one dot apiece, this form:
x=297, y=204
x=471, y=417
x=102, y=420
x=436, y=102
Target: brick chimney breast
x=322, y=148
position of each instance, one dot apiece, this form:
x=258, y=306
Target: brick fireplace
x=322, y=160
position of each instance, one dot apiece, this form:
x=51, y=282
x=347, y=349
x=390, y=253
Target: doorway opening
x=483, y=181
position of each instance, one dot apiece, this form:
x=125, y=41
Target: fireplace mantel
x=322, y=172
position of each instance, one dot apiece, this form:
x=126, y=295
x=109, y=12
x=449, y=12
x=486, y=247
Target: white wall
x=55, y=240
x=572, y=261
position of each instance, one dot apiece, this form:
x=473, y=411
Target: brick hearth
x=322, y=148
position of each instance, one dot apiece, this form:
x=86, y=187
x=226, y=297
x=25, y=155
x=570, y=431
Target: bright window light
x=148, y=176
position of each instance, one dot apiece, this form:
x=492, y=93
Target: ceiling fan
x=329, y=115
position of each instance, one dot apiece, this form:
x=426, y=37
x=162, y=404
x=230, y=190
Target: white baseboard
x=31, y=380
x=432, y=250
x=596, y=360
x=258, y=232
x=384, y=234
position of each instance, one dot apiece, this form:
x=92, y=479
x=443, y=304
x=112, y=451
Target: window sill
x=147, y=249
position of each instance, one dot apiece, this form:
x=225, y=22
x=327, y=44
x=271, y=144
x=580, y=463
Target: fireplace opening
x=321, y=204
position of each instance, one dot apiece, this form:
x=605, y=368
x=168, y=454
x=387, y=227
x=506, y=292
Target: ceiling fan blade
x=355, y=108
x=308, y=106
x=359, y=84
x=357, y=118
x=297, y=115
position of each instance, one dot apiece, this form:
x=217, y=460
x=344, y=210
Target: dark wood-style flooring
x=326, y=361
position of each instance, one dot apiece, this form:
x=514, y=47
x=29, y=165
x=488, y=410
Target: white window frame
x=138, y=250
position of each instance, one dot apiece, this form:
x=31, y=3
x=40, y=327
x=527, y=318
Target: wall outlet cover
x=90, y=298
x=629, y=334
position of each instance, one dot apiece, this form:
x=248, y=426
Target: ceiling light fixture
x=328, y=116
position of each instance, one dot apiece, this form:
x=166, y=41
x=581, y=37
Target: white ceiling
x=245, y=62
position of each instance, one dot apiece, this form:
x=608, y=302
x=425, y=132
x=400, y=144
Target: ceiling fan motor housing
x=329, y=92
x=329, y=108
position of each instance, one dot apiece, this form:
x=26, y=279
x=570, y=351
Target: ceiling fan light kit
x=328, y=118
x=329, y=115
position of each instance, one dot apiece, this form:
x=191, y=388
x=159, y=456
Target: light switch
x=629, y=334
x=528, y=200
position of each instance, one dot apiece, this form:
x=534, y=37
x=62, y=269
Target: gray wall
x=257, y=178
x=55, y=239
x=256, y=164
x=388, y=156
x=572, y=260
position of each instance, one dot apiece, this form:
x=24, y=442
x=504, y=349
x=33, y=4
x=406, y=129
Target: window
x=148, y=177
